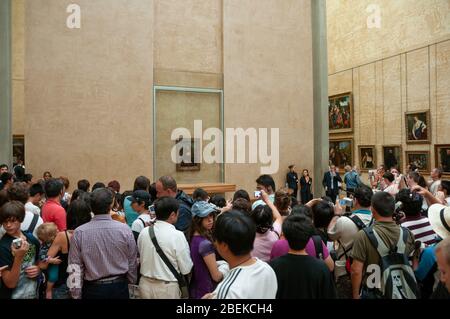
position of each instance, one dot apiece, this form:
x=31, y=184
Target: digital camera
x=346, y=202
x=17, y=243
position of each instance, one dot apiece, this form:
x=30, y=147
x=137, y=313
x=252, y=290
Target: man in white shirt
x=343, y=229
x=249, y=277
x=389, y=182
x=267, y=184
x=36, y=193
x=436, y=175
x=157, y=281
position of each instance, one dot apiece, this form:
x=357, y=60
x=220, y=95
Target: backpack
x=397, y=276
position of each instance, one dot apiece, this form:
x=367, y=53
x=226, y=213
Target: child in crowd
x=46, y=234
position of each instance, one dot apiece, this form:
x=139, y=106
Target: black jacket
x=327, y=181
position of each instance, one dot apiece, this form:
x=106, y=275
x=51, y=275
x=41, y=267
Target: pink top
x=281, y=248
x=53, y=212
x=264, y=242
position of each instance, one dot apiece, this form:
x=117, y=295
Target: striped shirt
x=100, y=249
x=421, y=229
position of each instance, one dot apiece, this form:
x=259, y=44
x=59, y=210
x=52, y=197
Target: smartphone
x=257, y=194
x=152, y=211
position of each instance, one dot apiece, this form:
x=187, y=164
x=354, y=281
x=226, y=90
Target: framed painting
x=341, y=152
x=392, y=157
x=419, y=158
x=418, y=127
x=367, y=157
x=187, y=154
x=340, y=113
x=18, y=150
x=442, y=158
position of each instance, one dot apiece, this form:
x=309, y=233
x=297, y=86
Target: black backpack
x=397, y=276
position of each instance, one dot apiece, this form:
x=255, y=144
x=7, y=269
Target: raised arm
x=275, y=213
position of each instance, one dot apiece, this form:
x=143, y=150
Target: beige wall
x=400, y=68
x=181, y=109
x=405, y=25
x=18, y=60
x=268, y=79
x=88, y=92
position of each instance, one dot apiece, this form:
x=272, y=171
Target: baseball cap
x=439, y=217
x=203, y=209
x=140, y=196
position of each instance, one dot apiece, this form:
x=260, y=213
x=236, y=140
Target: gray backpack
x=397, y=276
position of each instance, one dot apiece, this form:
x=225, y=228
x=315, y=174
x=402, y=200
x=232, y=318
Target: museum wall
x=402, y=67
x=404, y=25
x=89, y=91
x=17, y=68
x=268, y=79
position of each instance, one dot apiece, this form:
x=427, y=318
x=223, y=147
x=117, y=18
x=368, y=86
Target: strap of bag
x=166, y=260
x=318, y=246
x=33, y=224
x=358, y=222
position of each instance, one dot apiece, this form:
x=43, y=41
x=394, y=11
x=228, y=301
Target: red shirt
x=53, y=212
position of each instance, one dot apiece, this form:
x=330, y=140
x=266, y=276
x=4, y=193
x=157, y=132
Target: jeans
x=61, y=292
x=117, y=290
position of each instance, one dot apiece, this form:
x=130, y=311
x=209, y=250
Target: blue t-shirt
x=426, y=263
x=26, y=288
x=130, y=214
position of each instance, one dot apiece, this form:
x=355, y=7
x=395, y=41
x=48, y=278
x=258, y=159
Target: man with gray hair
x=167, y=186
x=443, y=261
x=436, y=175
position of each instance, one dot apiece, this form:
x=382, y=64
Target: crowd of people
x=386, y=240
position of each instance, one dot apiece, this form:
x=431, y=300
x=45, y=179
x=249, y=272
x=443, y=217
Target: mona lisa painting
x=418, y=127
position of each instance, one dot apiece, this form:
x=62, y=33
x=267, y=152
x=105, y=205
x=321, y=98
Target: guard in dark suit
x=292, y=180
x=330, y=183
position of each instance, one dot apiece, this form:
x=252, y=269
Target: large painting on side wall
x=419, y=158
x=367, y=157
x=392, y=157
x=418, y=127
x=340, y=113
x=442, y=158
x=341, y=152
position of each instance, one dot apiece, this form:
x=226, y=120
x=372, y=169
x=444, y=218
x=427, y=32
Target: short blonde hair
x=47, y=231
